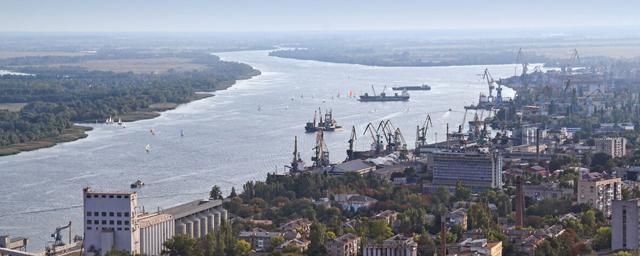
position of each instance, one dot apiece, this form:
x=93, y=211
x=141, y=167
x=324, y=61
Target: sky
x=308, y=15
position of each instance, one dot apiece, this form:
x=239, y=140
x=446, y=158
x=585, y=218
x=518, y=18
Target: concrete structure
x=477, y=247
x=113, y=222
x=299, y=225
x=624, y=225
x=613, y=146
x=14, y=243
x=390, y=216
x=344, y=245
x=109, y=219
x=547, y=191
x=398, y=245
x=599, y=191
x=154, y=230
x=474, y=169
x=197, y=218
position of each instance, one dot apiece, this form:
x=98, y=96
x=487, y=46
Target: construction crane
x=574, y=59
x=389, y=133
x=375, y=136
x=351, y=141
x=57, y=239
x=321, y=152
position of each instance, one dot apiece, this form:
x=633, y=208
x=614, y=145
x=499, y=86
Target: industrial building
x=398, y=245
x=197, y=218
x=477, y=170
x=625, y=225
x=613, y=146
x=599, y=191
x=113, y=221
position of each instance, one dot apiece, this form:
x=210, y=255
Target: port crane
x=421, y=132
x=57, y=239
x=487, y=76
x=521, y=58
x=375, y=136
x=296, y=164
x=574, y=59
x=321, y=152
x=351, y=141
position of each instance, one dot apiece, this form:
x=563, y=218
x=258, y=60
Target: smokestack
x=519, y=202
x=537, y=145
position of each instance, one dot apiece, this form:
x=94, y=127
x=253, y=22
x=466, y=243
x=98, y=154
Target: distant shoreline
x=79, y=131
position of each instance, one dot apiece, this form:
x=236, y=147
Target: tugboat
x=137, y=184
x=404, y=96
x=423, y=87
x=329, y=124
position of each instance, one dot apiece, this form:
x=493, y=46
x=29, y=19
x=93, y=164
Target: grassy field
x=140, y=66
x=12, y=107
x=74, y=133
x=15, y=54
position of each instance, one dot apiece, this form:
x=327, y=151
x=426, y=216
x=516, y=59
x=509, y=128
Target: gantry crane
x=521, y=58
x=296, y=164
x=487, y=76
x=377, y=143
x=421, y=132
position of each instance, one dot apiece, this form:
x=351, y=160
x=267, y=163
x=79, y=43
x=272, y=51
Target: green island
x=43, y=105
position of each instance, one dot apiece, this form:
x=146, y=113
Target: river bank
x=79, y=130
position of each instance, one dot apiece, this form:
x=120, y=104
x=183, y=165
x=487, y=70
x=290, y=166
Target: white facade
x=109, y=221
x=154, y=230
x=615, y=147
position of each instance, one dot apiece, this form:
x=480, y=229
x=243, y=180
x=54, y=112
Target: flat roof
x=192, y=207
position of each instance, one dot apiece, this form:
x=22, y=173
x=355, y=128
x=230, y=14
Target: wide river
x=240, y=134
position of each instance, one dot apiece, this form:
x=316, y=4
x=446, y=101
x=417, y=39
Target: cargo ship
x=423, y=87
x=404, y=96
x=328, y=124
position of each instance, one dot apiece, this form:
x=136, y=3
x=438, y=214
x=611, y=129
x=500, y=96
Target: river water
x=239, y=135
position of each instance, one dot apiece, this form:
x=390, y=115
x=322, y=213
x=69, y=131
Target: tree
x=117, y=253
x=181, y=245
x=599, y=160
x=462, y=193
x=602, y=239
x=276, y=241
x=317, y=238
x=379, y=230
x=243, y=248
x=233, y=193
x=426, y=245
x=215, y=193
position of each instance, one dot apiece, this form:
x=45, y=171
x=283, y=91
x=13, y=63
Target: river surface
x=239, y=135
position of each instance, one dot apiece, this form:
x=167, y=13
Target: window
x=126, y=222
x=104, y=214
x=88, y=228
x=126, y=214
x=110, y=196
x=111, y=222
x=88, y=196
x=119, y=214
x=88, y=213
x=119, y=228
x=88, y=221
x=96, y=214
x=126, y=196
x=104, y=196
x=119, y=222
x=111, y=214
x=119, y=196
x=104, y=222
x=126, y=228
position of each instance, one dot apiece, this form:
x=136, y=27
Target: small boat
x=119, y=121
x=124, y=125
x=153, y=132
x=137, y=184
x=147, y=148
x=181, y=133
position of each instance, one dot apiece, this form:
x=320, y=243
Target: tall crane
x=57, y=239
x=574, y=60
x=521, y=58
x=297, y=161
x=487, y=76
x=321, y=152
x=421, y=132
x=351, y=141
x=377, y=144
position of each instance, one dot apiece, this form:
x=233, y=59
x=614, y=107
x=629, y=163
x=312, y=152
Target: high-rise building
x=478, y=170
x=624, y=225
x=613, y=146
x=599, y=191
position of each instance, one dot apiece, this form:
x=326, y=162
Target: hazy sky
x=287, y=15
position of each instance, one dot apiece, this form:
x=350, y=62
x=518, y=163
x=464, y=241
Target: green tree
x=276, y=241
x=233, y=193
x=602, y=239
x=462, y=193
x=379, y=230
x=215, y=193
x=117, y=253
x=181, y=245
x=317, y=238
x=243, y=248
